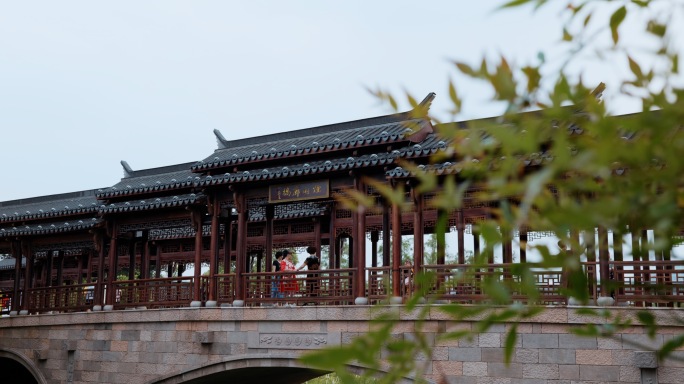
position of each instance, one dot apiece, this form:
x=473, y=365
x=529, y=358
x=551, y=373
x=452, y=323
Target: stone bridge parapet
x=189, y=345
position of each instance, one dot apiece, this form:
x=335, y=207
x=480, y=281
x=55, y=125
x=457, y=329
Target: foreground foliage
x=567, y=168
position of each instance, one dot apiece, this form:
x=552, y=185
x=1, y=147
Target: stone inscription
x=292, y=340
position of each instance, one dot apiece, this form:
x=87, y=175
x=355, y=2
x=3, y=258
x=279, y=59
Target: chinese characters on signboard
x=299, y=191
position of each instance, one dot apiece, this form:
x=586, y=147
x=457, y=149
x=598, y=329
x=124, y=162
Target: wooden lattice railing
x=154, y=293
x=636, y=283
x=328, y=286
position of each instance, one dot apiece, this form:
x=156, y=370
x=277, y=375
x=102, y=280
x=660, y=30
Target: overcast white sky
x=86, y=84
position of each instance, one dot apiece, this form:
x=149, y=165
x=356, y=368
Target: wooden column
x=360, y=245
x=214, y=248
x=60, y=267
x=228, y=244
x=386, y=244
x=16, y=253
x=441, y=228
x=476, y=241
x=604, y=260
x=241, y=247
x=111, y=274
x=98, y=298
x=49, y=261
x=418, y=230
x=270, y=212
x=523, y=245
x=396, y=250
x=27, y=251
x=145, y=257
x=507, y=246
x=131, y=256
x=460, y=227
x=197, y=276
x=374, y=248
x=317, y=236
x=334, y=252
x=158, y=261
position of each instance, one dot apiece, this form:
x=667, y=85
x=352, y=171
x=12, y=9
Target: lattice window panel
x=172, y=233
x=470, y=199
x=254, y=231
x=343, y=213
x=302, y=228
x=300, y=209
x=371, y=228
x=406, y=227
x=70, y=262
x=368, y=233
x=188, y=247
x=257, y=201
x=374, y=211
x=155, y=225
x=536, y=235
x=255, y=247
x=281, y=229
x=75, y=248
x=291, y=245
x=257, y=213
x=343, y=231
x=171, y=248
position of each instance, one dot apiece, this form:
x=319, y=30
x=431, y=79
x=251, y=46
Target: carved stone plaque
x=292, y=340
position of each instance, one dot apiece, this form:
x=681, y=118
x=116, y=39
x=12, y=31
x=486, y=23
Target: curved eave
x=152, y=204
x=54, y=213
x=49, y=228
x=299, y=170
x=359, y=141
x=113, y=193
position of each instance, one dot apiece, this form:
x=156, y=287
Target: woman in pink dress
x=288, y=286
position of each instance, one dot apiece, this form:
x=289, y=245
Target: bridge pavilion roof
x=68, y=212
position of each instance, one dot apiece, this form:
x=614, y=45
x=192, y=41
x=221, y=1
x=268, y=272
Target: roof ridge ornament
x=220, y=140
x=128, y=171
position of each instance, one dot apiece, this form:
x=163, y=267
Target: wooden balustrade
x=637, y=283
x=154, y=293
x=327, y=286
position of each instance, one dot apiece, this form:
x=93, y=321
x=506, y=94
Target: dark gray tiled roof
x=427, y=147
x=49, y=228
x=152, y=203
x=151, y=181
x=449, y=168
x=310, y=141
x=302, y=169
x=67, y=204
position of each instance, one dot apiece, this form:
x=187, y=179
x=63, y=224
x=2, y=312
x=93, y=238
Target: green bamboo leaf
x=566, y=35
x=656, y=28
x=466, y=69
x=454, y=98
x=615, y=20
x=514, y=3
x=671, y=345
x=509, y=344
x=648, y=320
x=636, y=69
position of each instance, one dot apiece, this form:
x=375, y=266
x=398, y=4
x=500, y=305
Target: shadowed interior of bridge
x=11, y=371
x=271, y=375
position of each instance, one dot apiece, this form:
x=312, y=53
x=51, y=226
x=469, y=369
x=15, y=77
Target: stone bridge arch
x=17, y=368
x=252, y=368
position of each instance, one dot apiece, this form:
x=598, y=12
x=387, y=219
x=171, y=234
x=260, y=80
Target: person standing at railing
x=408, y=278
x=312, y=263
x=275, y=283
x=289, y=283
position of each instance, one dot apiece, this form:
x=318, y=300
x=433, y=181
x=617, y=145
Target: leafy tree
x=555, y=161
